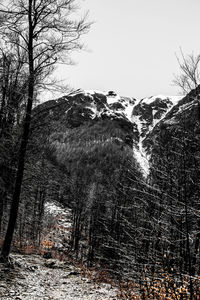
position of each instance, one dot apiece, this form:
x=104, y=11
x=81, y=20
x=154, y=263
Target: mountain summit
x=137, y=118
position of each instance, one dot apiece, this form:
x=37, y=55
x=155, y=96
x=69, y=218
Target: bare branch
x=189, y=77
x=55, y=34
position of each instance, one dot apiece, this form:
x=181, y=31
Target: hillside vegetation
x=127, y=172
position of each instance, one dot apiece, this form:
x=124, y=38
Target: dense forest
x=78, y=151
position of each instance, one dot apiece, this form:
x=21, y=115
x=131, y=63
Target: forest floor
x=33, y=277
x=30, y=276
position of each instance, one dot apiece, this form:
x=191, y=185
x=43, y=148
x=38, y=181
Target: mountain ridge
x=139, y=117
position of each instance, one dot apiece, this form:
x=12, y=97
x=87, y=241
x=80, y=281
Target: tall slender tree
x=47, y=33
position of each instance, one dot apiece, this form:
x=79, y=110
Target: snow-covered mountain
x=140, y=120
x=102, y=104
x=143, y=114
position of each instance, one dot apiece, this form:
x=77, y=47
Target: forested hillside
x=83, y=153
x=99, y=193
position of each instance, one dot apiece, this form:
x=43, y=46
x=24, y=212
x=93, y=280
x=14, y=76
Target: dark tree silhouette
x=46, y=33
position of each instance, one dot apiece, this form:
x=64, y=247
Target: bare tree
x=189, y=77
x=47, y=34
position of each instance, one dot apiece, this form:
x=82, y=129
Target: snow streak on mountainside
x=146, y=115
x=143, y=114
x=137, y=118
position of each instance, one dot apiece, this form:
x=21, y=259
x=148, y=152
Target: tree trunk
x=22, y=151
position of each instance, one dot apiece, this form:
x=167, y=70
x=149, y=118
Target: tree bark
x=22, y=151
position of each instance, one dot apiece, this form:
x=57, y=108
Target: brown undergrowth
x=157, y=286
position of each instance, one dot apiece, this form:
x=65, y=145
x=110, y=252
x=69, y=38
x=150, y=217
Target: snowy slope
x=146, y=115
x=115, y=105
x=149, y=111
x=137, y=118
x=143, y=114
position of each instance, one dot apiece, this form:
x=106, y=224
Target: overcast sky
x=132, y=45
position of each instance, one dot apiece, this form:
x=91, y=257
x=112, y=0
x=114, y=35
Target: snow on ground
x=142, y=159
x=128, y=111
x=53, y=208
x=173, y=99
x=127, y=103
x=92, y=92
x=34, y=278
x=57, y=225
x=139, y=151
x=113, y=99
x=59, y=214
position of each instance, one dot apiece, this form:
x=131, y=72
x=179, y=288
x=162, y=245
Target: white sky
x=132, y=45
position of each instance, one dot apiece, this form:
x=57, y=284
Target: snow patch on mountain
x=142, y=159
x=129, y=105
x=146, y=115
x=92, y=92
x=113, y=99
x=138, y=149
x=115, y=104
x=122, y=107
x=173, y=99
